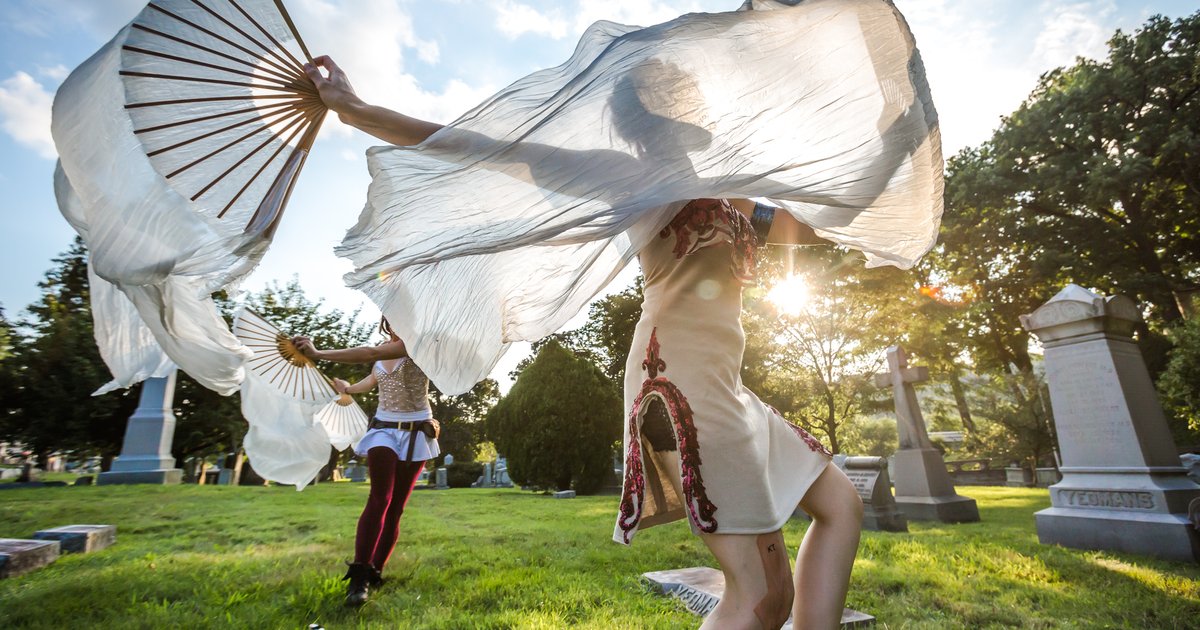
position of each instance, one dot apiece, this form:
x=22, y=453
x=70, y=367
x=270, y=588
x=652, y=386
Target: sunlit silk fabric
x=501, y=226
x=166, y=212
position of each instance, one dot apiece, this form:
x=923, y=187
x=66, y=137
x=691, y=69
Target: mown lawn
x=229, y=557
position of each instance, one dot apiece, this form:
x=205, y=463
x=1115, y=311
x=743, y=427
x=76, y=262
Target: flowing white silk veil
x=501, y=226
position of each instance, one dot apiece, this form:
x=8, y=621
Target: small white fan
x=278, y=363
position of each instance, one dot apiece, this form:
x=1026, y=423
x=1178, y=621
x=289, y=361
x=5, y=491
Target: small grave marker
x=18, y=557
x=701, y=588
x=80, y=538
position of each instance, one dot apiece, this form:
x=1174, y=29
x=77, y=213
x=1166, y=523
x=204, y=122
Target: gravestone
x=502, y=480
x=564, y=494
x=701, y=588
x=870, y=478
x=924, y=490
x=356, y=472
x=80, y=538
x=146, y=452
x=1123, y=487
x=18, y=557
x=441, y=478
x=29, y=474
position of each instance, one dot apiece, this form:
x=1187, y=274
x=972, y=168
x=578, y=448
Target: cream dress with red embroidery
x=742, y=467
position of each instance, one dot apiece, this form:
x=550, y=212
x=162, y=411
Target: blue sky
x=437, y=58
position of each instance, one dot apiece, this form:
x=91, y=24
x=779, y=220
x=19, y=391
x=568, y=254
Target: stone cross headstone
x=924, y=490
x=701, y=588
x=1123, y=487
x=146, y=453
x=18, y=557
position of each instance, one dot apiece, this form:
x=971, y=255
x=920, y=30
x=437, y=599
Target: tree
x=608, y=333
x=55, y=369
x=559, y=423
x=813, y=358
x=1180, y=385
x=1094, y=180
x=463, y=418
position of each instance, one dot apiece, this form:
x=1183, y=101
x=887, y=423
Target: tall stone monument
x=924, y=491
x=1123, y=487
x=146, y=453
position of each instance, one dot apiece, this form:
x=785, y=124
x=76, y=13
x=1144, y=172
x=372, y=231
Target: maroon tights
x=392, y=483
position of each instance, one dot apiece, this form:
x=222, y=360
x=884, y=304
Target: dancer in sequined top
x=402, y=437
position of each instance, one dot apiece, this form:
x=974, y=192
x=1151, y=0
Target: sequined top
x=404, y=389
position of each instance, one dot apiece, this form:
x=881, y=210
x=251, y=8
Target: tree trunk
x=960, y=401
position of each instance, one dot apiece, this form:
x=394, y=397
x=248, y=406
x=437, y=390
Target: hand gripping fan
x=279, y=365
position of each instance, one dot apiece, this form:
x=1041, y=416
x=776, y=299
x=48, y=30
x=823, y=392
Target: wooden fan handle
x=345, y=400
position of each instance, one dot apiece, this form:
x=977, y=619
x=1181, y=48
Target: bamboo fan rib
x=219, y=99
x=278, y=363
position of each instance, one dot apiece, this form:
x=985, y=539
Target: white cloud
x=54, y=73
x=47, y=18
x=514, y=19
x=974, y=79
x=370, y=40
x=25, y=113
x=1072, y=30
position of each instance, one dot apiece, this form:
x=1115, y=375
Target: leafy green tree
x=1095, y=179
x=463, y=418
x=559, y=423
x=1180, y=385
x=56, y=368
x=815, y=362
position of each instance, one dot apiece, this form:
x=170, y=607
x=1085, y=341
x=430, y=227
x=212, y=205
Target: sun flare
x=790, y=295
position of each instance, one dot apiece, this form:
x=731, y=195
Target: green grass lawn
x=229, y=557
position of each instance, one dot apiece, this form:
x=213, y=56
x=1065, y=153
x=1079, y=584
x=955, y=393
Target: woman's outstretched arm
x=361, y=354
x=381, y=122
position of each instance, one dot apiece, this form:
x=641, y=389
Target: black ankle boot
x=376, y=578
x=360, y=576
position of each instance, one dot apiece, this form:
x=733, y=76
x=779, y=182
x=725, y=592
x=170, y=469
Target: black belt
x=414, y=427
x=403, y=426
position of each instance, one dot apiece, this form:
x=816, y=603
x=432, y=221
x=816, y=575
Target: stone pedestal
x=924, y=490
x=18, y=557
x=146, y=453
x=701, y=589
x=1123, y=487
x=80, y=538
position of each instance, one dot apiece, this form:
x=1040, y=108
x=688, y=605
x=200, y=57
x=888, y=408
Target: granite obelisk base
x=1123, y=486
x=146, y=453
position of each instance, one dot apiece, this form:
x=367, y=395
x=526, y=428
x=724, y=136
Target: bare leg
x=758, y=576
x=826, y=556
x=758, y=581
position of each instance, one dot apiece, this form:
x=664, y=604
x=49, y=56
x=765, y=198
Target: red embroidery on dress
x=813, y=443
x=700, y=508
x=706, y=222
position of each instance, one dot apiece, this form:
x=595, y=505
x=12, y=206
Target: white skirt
x=397, y=440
